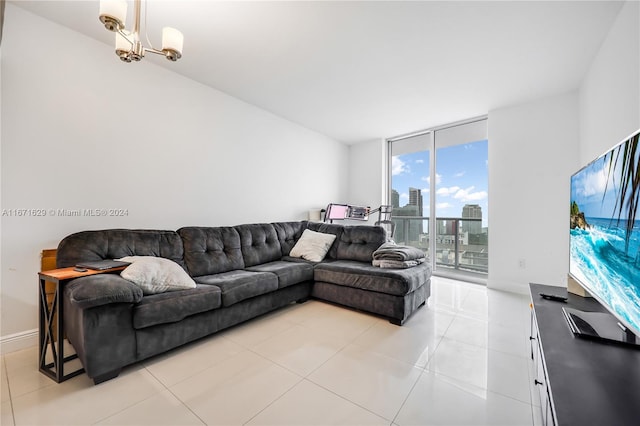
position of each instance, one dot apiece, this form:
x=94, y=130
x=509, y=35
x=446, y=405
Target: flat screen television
x=605, y=242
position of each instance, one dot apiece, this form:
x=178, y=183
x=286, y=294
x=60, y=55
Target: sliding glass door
x=438, y=186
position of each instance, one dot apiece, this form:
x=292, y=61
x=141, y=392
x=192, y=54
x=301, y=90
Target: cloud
x=445, y=192
x=593, y=183
x=469, y=195
x=443, y=205
x=398, y=166
x=428, y=179
x=460, y=174
x=461, y=194
x=404, y=195
x=419, y=161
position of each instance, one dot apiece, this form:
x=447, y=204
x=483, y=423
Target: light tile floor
x=462, y=359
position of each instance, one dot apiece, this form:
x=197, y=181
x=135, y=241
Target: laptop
x=101, y=265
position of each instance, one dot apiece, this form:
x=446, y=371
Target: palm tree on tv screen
x=626, y=155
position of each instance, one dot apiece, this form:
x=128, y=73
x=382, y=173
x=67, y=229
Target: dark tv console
x=580, y=381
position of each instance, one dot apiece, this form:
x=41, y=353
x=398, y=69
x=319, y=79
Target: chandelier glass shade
x=113, y=14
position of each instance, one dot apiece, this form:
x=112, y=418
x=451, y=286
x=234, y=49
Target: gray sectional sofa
x=241, y=272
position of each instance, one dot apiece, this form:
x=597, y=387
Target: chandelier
x=113, y=14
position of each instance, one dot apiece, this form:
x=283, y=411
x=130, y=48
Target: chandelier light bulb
x=124, y=45
x=172, y=42
x=113, y=14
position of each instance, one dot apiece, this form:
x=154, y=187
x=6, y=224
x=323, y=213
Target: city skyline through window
x=461, y=179
x=440, y=203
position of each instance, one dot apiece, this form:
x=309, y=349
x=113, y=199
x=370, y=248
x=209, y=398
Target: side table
x=55, y=314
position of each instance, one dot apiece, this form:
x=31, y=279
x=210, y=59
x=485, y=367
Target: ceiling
x=357, y=70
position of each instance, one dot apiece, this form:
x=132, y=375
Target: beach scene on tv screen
x=605, y=233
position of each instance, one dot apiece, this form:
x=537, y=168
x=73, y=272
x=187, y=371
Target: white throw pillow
x=156, y=274
x=312, y=245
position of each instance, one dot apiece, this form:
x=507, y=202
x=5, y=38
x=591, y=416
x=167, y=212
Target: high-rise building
x=472, y=211
x=408, y=223
x=395, y=199
x=415, y=199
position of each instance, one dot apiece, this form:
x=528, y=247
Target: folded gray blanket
x=391, y=251
x=398, y=264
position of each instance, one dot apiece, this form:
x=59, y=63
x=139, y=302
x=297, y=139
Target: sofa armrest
x=102, y=289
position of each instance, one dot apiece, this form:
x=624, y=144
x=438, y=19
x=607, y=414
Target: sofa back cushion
x=209, y=250
x=259, y=243
x=328, y=228
x=359, y=242
x=116, y=243
x=288, y=234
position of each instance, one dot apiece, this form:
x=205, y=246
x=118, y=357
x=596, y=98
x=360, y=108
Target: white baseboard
x=17, y=341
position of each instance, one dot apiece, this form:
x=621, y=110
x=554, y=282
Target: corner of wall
x=367, y=173
x=609, y=96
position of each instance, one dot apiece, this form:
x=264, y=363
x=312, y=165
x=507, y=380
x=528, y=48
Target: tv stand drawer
x=540, y=381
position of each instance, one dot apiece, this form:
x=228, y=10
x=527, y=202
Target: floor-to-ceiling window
x=410, y=167
x=438, y=186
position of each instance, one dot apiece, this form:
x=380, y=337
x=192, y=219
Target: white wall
x=610, y=92
x=81, y=130
x=532, y=154
x=367, y=171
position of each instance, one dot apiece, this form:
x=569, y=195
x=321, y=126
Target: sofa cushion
x=211, y=250
x=288, y=273
x=240, y=285
x=359, y=242
x=312, y=245
x=156, y=274
x=175, y=306
x=288, y=233
x=328, y=228
x=259, y=243
x=116, y=243
x=365, y=276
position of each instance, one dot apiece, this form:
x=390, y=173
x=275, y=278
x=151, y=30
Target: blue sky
x=461, y=178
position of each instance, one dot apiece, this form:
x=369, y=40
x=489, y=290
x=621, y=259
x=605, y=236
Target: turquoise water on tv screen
x=601, y=263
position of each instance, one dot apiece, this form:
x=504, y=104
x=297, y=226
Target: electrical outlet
x=522, y=264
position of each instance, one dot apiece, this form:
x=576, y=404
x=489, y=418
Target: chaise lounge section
x=240, y=272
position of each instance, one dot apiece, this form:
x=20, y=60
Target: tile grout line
x=6, y=376
x=275, y=400
x=302, y=378
x=136, y=403
x=184, y=404
x=168, y=389
x=404, y=401
x=346, y=399
x=424, y=370
x=375, y=354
